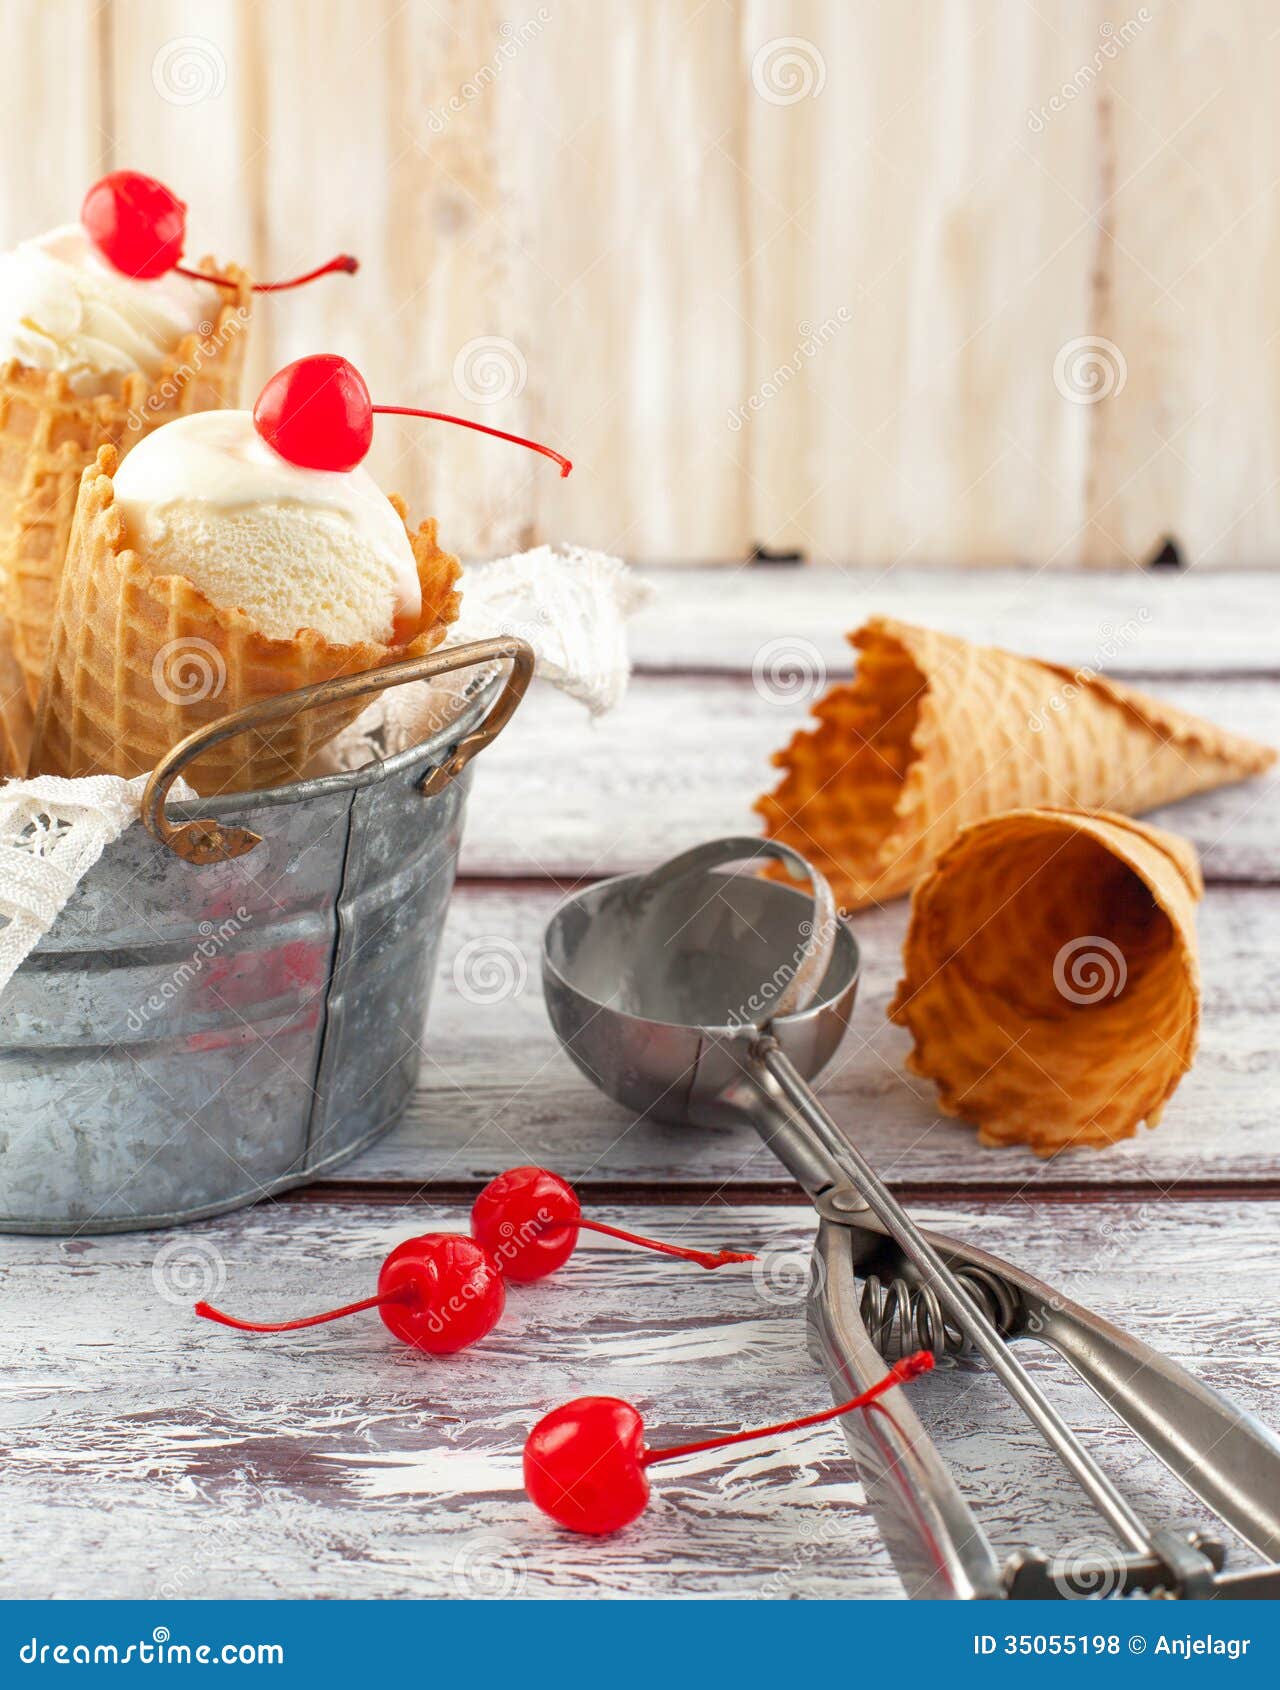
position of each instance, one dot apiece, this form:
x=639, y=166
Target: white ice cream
x=63, y=307
x=206, y=497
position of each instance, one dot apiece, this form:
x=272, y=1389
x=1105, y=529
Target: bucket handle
x=207, y=841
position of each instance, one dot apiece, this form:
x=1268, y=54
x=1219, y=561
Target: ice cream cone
x=50, y=435
x=934, y=733
x=1051, y=980
x=15, y=710
x=138, y=661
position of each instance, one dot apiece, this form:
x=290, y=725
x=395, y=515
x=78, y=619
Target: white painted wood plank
x=411, y=169
x=53, y=133
x=184, y=108
x=495, y=1090
x=147, y=1454
x=1186, y=221
x=684, y=757
x=939, y=255
x=810, y=294
x=626, y=157
x=1128, y=621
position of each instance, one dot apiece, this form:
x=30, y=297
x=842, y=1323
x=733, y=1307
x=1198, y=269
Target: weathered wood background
x=971, y=283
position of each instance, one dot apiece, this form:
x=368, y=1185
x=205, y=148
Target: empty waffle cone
x=50, y=435
x=933, y=733
x=138, y=661
x=1051, y=979
x=15, y=710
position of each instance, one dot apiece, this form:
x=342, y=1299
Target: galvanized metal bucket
x=234, y=1002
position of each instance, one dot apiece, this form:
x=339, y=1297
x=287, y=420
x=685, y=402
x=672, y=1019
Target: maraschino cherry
x=585, y=1464
x=140, y=227
x=438, y=1293
x=443, y=1291
x=528, y=1219
x=318, y=413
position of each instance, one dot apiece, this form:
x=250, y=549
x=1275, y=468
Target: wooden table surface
x=146, y=1454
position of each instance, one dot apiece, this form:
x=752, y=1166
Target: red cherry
x=140, y=227
x=585, y=1463
x=317, y=412
x=439, y=1293
x=528, y=1219
x=136, y=223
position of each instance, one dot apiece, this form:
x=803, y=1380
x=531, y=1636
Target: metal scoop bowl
x=700, y=998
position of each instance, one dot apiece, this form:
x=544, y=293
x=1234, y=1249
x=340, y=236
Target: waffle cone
x=138, y=661
x=15, y=710
x=50, y=435
x=934, y=733
x=1051, y=979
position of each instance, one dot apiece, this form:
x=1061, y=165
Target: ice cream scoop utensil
x=663, y=988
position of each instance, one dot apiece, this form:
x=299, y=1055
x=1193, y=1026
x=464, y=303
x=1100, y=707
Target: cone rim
x=133, y=389
x=1166, y=866
x=97, y=496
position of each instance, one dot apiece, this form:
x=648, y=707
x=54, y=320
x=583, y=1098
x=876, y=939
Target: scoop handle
x=207, y=841
x=1220, y=1452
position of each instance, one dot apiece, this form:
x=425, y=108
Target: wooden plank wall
x=938, y=283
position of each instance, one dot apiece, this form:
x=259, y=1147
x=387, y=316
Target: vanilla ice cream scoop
x=207, y=498
x=63, y=307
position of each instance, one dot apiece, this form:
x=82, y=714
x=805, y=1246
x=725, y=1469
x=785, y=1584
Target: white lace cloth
x=571, y=606
x=52, y=832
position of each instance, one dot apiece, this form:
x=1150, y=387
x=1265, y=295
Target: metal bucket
x=233, y=1004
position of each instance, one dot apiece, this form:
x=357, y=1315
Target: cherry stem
x=703, y=1258
x=207, y=1312
x=908, y=1368
x=344, y=263
x=480, y=428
